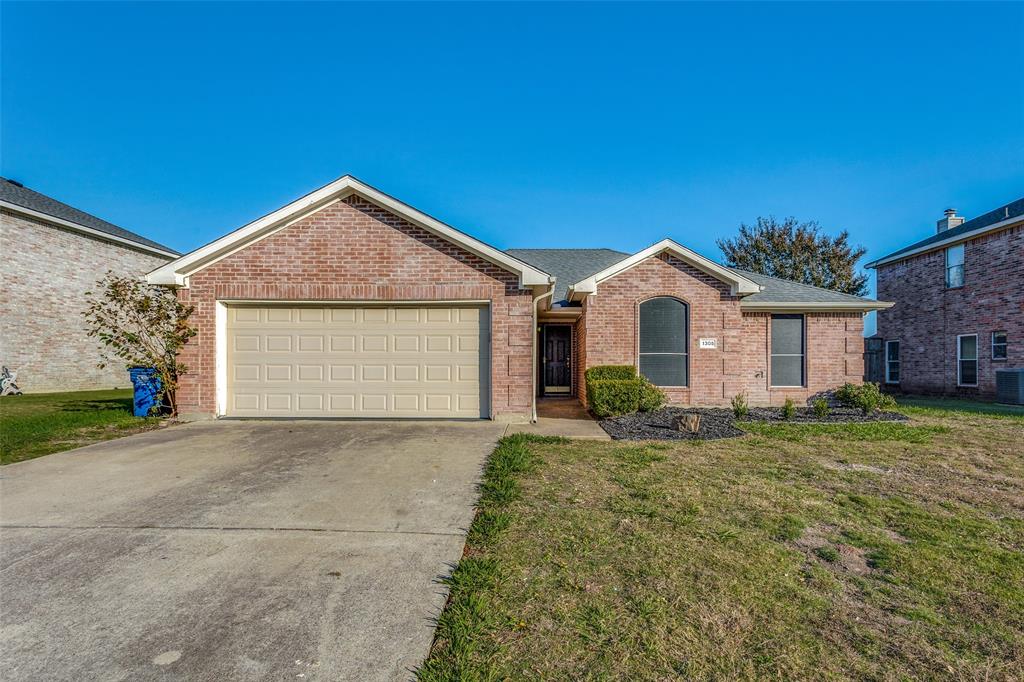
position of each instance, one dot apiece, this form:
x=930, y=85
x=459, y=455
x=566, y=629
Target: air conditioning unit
x=1010, y=386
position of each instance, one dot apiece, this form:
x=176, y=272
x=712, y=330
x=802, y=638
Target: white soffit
x=740, y=285
x=175, y=272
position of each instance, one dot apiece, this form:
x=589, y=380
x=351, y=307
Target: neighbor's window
x=787, y=350
x=967, y=360
x=998, y=345
x=955, y=266
x=663, y=341
x=892, y=362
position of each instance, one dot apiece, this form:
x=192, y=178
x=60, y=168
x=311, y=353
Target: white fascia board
x=820, y=307
x=84, y=230
x=174, y=273
x=942, y=243
x=741, y=286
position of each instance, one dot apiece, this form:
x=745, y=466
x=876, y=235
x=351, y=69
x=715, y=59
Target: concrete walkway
x=562, y=417
x=236, y=550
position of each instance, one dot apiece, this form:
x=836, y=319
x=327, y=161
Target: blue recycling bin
x=147, y=390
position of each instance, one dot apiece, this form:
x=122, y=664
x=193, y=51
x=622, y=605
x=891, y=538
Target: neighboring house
x=959, y=313
x=350, y=303
x=50, y=255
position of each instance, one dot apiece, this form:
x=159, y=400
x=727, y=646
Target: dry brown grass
x=791, y=553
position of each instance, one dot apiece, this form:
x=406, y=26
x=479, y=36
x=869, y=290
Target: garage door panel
x=408, y=361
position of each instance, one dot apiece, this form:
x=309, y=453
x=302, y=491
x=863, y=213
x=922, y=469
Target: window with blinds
x=664, y=330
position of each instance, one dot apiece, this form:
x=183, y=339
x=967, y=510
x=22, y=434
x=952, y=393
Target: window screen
x=892, y=362
x=787, y=350
x=967, y=359
x=663, y=341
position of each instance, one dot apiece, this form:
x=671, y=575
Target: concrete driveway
x=236, y=550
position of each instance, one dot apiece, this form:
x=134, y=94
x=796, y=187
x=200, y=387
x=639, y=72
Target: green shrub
x=651, y=397
x=788, y=409
x=739, y=405
x=867, y=397
x=602, y=372
x=820, y=407
x=616, y=389
x=610, y=397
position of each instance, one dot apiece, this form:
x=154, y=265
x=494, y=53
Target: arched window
x=664, y=334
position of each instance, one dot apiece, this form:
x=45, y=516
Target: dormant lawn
x=879, y=551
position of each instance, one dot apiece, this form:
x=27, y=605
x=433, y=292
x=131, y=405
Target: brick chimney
x=950, y=221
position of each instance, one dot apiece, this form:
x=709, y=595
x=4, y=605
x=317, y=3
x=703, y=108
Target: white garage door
x=398, y=361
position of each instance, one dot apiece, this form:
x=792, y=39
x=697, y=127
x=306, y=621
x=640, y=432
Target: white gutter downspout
x=533, y=374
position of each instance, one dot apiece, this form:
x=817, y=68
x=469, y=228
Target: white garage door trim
x=222, y=335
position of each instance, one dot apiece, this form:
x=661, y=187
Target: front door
x=557, y=358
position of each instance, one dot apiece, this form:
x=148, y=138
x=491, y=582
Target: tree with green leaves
x=140, y=325
x=797, y=251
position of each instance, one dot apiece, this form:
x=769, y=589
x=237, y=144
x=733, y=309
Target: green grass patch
x=923, y=406
x=863, y=551
x=866, y=431
x=43, y=423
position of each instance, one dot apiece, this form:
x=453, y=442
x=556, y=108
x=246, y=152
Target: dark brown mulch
x=719, y=423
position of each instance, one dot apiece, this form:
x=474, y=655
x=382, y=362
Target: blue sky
x=526, y=125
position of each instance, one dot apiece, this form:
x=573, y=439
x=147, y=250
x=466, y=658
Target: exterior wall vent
x=1010, y=386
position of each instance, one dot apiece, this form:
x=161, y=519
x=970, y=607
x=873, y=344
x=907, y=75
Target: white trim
x=898, y=361
x=942, y=243
x=977, y=364
x=175, y=272
x=220, y=339
x=364, y=302
x=740, y=286
x=816, y=307
x=84, y=230
x=1005, y=344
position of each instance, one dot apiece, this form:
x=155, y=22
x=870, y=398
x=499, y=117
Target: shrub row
x=617, y=389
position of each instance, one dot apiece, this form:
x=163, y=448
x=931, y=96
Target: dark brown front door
x=557, y=358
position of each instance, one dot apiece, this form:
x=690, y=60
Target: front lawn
x=880, y=551
x=42, y=423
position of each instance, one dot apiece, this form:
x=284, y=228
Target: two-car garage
x=414, y=360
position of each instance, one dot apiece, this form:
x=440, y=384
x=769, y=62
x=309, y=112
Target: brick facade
x=928, y=317
x=607, y=334
x=354, y=250
x=46, y=271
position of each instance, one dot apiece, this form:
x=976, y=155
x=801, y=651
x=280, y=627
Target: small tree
x=799, y=252
x=141, y=325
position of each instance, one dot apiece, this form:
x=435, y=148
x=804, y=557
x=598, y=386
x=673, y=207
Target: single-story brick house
x=958, y=316
x=52, y=253
x=349, y=303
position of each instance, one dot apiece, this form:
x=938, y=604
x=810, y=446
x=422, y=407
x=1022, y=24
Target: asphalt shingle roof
x=568, y=265
x=30, y=199
x=784, y=291
x=1014, y=209
x=572, y=265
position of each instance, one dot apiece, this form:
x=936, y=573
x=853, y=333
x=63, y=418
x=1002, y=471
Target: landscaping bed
x=719, y=422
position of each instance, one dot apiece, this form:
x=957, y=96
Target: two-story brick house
x=959, y=313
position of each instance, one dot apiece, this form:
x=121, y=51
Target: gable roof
x=568, y=265
x=16, y=197
x=739, y=284
x=175, y=272
x=993, y=220
x=572, y=265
